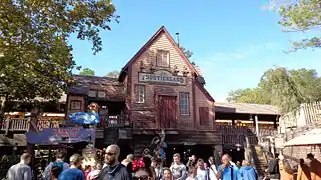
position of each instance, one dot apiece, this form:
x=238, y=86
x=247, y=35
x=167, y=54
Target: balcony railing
x=238, y=134
x=22, y=124
x=115, y=121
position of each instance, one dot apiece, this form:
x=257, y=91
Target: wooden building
x=299, y=132
x=159, y=88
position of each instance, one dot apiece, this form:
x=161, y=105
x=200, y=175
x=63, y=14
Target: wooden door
x=167, y=112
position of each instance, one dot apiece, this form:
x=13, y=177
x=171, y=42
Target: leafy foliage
x=188, y=54
x=299, y=16
x=284, y=88
x=113, y=74
x=248, y=95
x=87, y=72
x=35, y=58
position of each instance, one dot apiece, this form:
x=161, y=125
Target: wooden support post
x=8, y=122
x=257, y=128
x=31, y=151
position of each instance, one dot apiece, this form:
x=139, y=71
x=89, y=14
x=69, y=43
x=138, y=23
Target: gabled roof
x=163, y=30
x=160, y=31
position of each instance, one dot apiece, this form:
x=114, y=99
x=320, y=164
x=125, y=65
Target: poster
x=66, y=135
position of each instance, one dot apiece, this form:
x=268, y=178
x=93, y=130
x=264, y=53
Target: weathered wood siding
x=202, y=101
x=144, y=115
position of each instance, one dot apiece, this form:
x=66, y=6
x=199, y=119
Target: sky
x=234, y=42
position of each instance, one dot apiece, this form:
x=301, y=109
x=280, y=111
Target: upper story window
x=184, y=103
x=92, y=93
x=75, y=105
x=101, y=94
x=162, y=58
x=139, y=93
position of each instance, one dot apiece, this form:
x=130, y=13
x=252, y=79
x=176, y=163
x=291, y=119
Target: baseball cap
x=75, y=158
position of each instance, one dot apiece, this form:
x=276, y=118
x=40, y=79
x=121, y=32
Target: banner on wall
x=66, y=135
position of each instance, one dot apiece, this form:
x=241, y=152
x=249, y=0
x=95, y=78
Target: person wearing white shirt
x=212, y=168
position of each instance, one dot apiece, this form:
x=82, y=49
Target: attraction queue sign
x=66, y=135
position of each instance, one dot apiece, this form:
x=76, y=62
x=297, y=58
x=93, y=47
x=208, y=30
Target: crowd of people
x=151, y=168
x=280, y=168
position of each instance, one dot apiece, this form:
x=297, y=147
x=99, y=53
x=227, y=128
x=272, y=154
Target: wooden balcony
x=22, y=124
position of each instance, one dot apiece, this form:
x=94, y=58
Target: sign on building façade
x=161, y=77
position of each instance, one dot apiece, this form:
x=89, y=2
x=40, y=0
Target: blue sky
x=233, y=42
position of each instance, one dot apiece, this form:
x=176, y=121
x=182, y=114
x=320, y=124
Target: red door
x=167, y=111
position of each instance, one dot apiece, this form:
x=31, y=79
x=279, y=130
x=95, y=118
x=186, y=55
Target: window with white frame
x=139, y=93
x=162, y=58
x=184, y=103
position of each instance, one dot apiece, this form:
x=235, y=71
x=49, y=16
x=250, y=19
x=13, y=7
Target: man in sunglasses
x=113, y=170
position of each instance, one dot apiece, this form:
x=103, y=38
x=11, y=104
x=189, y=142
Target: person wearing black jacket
x=113, y=169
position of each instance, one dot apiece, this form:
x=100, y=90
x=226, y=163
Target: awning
x=312, y=137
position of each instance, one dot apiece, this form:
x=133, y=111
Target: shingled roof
x=245, y=108
x=113, y=88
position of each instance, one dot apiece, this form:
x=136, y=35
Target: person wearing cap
x=315, y=167
x=73, y=173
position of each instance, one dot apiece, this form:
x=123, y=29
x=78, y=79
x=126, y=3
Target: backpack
x=59, y=165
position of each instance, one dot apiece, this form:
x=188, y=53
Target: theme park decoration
x=64, y=135
x=86, y=118
x=138, y=164
x=90, y=155
x=159, y=145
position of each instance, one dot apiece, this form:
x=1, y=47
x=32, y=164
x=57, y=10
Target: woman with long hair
x=167, y=174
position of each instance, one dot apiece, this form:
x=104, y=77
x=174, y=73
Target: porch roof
x=312, y=137
x=245, y=108
x=113, y=88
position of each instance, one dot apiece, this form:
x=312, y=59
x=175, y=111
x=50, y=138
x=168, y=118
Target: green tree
x=87, y=72
x=284, y=88
x=113, y=74
x=188, y=54
x=300, y=16
x=248, y=95
x=35, y=57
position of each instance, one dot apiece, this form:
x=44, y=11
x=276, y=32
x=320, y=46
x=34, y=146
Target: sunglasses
x=110, y=154
x=140, y=178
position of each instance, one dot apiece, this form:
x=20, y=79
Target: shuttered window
x=162, y=58
x=204, y=115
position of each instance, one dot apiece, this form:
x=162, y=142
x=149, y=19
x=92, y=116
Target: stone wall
x=299, y=152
